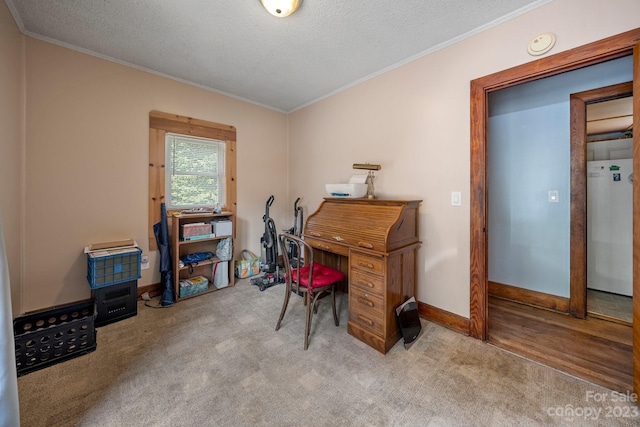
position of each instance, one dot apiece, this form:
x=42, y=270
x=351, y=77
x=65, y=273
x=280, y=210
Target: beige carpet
x=216, y=360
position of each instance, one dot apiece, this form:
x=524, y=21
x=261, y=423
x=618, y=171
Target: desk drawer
x=352, y=234
x=366, y=318
x=366, y=301
x=365, y=262
x=367, y=282
x=323, y=245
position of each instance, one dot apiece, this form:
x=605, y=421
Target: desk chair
x=311, y=279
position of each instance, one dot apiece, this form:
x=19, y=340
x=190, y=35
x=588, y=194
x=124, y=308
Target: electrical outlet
x=144, y=265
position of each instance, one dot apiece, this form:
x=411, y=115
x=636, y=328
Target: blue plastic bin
x=110, y=267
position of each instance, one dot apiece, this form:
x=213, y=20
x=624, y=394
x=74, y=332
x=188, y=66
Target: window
x=192, y=163
x=194, y=171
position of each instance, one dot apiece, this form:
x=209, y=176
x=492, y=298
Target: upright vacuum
x=269, y=252
x=296, y=230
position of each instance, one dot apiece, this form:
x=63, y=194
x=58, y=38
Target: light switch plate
x=144, y=264
x=456, y=198
x=553, y=196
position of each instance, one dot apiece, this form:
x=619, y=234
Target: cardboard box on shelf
x=222, y=227
x=196, y=229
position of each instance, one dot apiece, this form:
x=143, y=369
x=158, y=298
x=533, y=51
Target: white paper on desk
x=358, y=179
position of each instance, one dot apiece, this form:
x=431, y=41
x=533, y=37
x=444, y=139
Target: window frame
x=162, y=123
x=219, y=174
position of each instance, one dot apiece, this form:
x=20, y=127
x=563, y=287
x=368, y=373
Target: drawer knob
x=365, y=283
x=365, y=320
x=338, y=238
x=315, y=234
x=365, y=264
x=324, y=247
x=365, y=302
x=365, y=245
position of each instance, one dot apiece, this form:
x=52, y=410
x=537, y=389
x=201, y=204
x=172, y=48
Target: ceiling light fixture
x=280, y=8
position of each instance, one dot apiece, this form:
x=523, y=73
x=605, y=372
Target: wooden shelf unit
x=180, y=247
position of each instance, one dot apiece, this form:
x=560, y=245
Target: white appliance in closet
x=609, y=225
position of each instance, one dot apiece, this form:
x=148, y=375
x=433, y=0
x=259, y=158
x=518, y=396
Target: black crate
x=50, y=336
x=116, y=302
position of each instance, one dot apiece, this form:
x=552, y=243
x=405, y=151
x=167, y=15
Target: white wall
x=11, y=122
x=11, y=145
x=529, y=149
x=414, y=121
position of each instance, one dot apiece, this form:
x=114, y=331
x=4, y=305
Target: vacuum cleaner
x=296, y=230
x=269, y=252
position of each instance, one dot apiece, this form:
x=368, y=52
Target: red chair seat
x=322, y=275
x=324, y=279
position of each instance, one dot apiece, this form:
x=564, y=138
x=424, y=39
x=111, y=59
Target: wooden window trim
x=159, y=124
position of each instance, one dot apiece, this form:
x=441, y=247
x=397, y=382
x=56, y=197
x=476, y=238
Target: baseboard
x=529, y=297
x=445, y=318
x=153, y=289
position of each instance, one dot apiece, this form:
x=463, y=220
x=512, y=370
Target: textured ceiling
x=237, y=48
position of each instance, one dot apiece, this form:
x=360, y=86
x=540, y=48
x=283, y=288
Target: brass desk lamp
x=370, y=168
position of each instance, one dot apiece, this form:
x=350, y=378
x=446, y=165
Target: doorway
x=602, y=173
x=594, y=53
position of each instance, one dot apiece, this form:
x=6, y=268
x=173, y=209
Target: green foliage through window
x=195, y=172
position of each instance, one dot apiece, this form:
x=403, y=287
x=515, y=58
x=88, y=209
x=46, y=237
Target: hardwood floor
x=592, y=349
x=610, y=306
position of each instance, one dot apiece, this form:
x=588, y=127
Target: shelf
x=206, y=268
x=210, y=289
x=203, y=215
x=211, y=261
x=208, y=239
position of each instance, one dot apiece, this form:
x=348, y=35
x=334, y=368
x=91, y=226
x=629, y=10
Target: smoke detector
x=542, y=44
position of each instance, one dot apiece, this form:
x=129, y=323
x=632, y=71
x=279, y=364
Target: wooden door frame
x=578, y=257
x=593, y=53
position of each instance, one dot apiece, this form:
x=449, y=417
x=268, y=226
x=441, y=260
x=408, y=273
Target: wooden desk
x=375, y=242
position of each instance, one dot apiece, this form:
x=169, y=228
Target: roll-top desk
x=375, y=242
